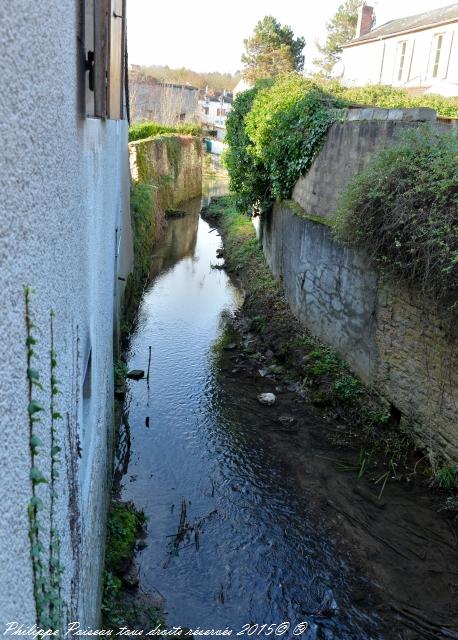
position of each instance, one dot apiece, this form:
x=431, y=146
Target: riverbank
x=392, y=512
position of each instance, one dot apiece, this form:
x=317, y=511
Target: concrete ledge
x=421, y=114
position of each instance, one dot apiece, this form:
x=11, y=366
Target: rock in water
x=287, y=421
x=267, y=399
x=131, y=576
x=136, y=374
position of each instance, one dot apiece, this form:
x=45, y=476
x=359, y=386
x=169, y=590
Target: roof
x=410, y=23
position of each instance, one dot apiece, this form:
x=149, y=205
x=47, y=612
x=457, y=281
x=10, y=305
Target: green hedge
x=391, y=97
x=403, y=210
x=274, y=132
x=149, y=129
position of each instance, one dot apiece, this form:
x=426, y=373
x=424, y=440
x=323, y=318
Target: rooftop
x=410, y=23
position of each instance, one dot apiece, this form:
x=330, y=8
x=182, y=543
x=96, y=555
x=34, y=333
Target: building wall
x=378, y=62
x=164, y=103
x=392, y=337
x=210, y=112
x=64, y=183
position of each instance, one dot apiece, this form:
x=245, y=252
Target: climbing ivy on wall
x=46, y=566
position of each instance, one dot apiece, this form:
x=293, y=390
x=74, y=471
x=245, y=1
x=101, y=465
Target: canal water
x=232, y=540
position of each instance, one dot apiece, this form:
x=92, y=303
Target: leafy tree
x=341, y=29
x=271, y=50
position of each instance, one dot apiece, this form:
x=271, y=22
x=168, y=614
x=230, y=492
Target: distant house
x=160, y=101
x=242, y=85
x=214, y=109
x=418, y=53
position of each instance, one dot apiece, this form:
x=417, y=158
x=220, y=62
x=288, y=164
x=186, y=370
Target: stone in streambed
x=136, y=374
x=267, y=399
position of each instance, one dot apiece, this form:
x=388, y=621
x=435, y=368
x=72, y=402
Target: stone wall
x=392, y=338
x=348, y=148
x=173, y=164
x=169, y=169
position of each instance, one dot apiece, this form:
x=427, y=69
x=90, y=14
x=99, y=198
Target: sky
x=207, y=35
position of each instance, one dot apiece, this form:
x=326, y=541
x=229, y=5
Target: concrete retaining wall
x=173, y=164
x=348, y=148
x=393, y=338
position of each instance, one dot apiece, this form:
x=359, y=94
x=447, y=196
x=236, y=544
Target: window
x=104, y=53
x=402, y=46
x=439, y=39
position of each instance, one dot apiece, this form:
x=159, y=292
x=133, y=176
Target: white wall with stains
x=64, y=217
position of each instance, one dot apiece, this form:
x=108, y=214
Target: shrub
x=287, y=125
x=403, y=209
x=274, y=132
x=148, y=129
x=247, y=174
x=390, y=97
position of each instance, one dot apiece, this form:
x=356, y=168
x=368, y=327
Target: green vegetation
x=276, y=129
x=46, y=566
x=211, y=79
x=153, y=129
x=446, y=477
x=147, y=220
x=272, y=50
x=119, y=606
x=341, y=29
x=403, y=210
x=274, y=132
x=123, y=527
x=390, y=98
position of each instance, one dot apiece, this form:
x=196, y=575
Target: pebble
x=267, y=399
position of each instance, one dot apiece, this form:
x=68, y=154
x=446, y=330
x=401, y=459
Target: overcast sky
x=207, y=35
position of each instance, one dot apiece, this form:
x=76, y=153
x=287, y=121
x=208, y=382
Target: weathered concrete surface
x=329, y=287
x=417, y=358
x=348, y=148
x=392, y=338
x=172, y=163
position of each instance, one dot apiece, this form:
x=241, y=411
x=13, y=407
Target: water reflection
x=247, y=546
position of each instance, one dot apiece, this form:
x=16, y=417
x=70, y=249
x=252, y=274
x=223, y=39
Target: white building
x=215, y=109
x=419, y=53
x=65, y=231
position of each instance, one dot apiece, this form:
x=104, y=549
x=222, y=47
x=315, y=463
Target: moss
x=124, y=525
x=299, y=212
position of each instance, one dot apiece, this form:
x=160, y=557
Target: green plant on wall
x=46, y=567
x=403, y=210
x=274, y=132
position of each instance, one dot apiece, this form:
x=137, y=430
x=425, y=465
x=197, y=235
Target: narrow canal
x=249, y=548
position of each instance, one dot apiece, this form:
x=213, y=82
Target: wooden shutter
x=116, y=60
x=101, y=23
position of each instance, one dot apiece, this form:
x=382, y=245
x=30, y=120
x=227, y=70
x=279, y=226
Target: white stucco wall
x=378, y=62
x=63, y=194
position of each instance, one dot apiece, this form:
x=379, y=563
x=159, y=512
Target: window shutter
x=101, y=22
x=116, y=60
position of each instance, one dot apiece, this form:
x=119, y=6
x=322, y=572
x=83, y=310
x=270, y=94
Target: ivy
x=47, y=572
x=274, y=132
x=403, y=211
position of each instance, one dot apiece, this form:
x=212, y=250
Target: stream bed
x=234, y=539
